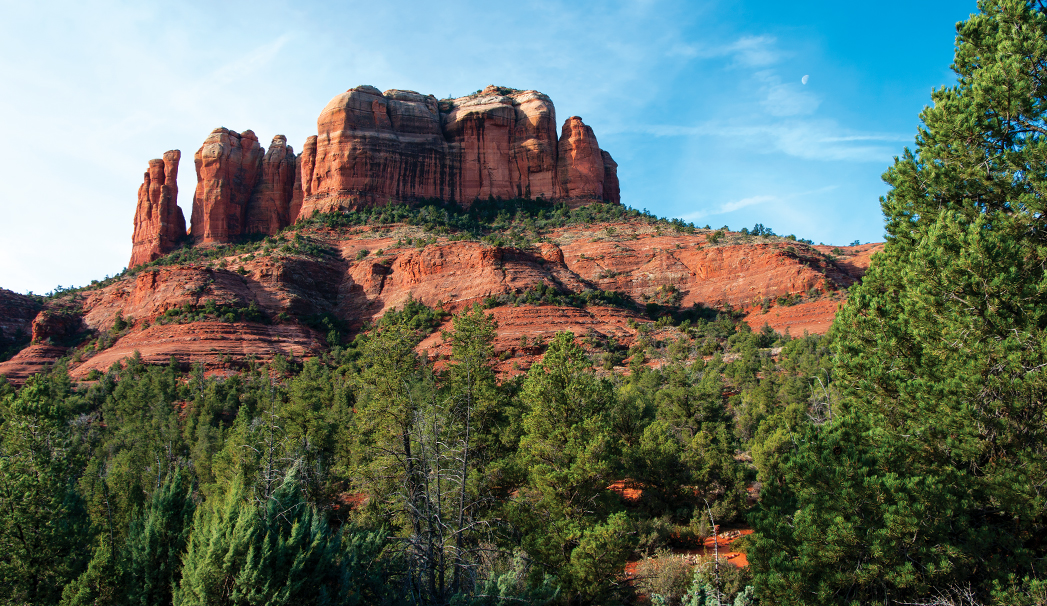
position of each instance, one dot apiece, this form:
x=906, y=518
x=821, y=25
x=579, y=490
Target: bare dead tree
x=445, y=550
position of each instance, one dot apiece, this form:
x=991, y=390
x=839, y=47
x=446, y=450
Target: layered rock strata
x=159, y=222
x=373, y=148
x=352, y=283
x=269, y=209
x=228, y=167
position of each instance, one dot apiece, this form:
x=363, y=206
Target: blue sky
x=700, y=103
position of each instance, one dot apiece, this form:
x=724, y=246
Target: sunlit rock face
x=374, y=148
x=159, y=225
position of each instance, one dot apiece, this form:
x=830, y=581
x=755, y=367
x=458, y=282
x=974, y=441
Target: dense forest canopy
x=899, y=460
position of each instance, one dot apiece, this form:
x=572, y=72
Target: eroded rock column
x=159, y=222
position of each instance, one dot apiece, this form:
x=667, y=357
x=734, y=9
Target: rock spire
x=159, y=222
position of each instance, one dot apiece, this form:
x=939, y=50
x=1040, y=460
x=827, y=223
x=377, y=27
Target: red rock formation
x=502, y=145
x=159, y=222
x=373, y=148
x=209, y=343
x=56, y=326
x=814, y=317
x=228, y=166
x=646, y=263
x=16, y=318
x=611, y=192
x=268, y=210
x=580, y=166
x=303, y=177
x=34, y=359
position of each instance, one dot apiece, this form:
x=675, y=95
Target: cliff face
x=159, y=222
x=269, y=208
x=16, y=318
x=228, y=166
x=374, y=148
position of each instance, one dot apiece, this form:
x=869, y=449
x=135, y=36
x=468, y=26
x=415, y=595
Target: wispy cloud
x=750, y=201
x=747, y=51
x=250, y=62
x=807, y=139
x=733, y=205
x=786, y=99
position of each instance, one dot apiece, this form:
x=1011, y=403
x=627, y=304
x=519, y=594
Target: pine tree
x=286, y=555
x=931, y=474
x=45, y=533
x=565, y=510
x=152, y=556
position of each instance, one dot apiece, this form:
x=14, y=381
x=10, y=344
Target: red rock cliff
x=159, y=222
x=269, y=208
x=580, y=167
x=374, y=148
x=228, y=166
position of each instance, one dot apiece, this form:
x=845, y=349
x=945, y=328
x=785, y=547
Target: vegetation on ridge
x=901, y=459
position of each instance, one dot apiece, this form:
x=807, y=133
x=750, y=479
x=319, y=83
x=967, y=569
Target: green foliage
x=284, y=554
x=666, y=578
x=485, y=491
x=156, y=542
x=14, y=344
x=509, y=582
x=923, y=482
x=415, y=315
x=44, y=530
x=544, y=293
x=568, y=453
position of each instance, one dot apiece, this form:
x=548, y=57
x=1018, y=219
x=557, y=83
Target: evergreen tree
x=285, y=555
x=152, y=556
x=565, y=509
x=930, y=475
x=45, y=533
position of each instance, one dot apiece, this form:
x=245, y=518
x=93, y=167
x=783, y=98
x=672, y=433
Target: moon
x=804, y=79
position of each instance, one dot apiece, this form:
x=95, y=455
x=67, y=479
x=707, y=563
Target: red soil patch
x=627, y=489
x=814, y=317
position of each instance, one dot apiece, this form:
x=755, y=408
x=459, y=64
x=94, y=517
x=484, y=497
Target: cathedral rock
x=374, y=148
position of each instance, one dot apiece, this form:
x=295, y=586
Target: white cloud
x=731, y=206
x=807, y=139
x=786, y=99
x=750, y=201
x=755, y=51
x=747, y=51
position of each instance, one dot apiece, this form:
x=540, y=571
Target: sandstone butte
x=374, y=148
x=644, y=261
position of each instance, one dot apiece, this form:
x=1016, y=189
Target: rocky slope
x=399, y=197
x=254, y=303
x=374, y=148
